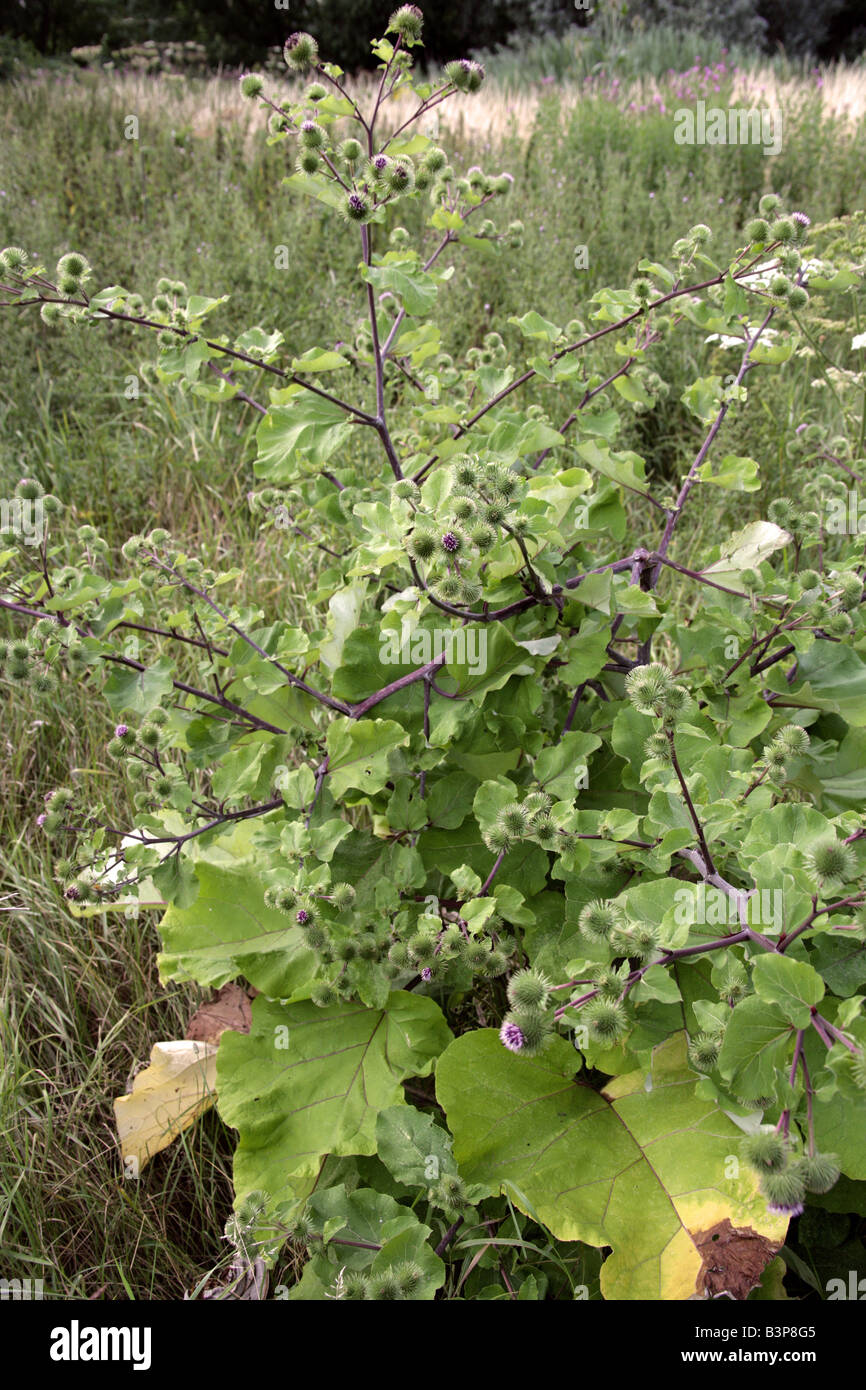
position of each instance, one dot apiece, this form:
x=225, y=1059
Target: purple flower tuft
x=791, y=1209
x=121, y=731
x=303, y=916
x=450, y=542
x=40, y=820
x=426, y=973
x=511, y=1037
x=380, y=162
x=73, y=892
x=801, y=217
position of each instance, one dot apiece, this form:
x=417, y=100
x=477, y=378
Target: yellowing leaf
x=652, y=1173
x=167, y=1097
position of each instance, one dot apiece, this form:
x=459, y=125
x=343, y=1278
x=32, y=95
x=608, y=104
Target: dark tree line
x=239, y=31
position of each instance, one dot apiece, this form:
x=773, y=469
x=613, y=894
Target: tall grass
x=199, y=197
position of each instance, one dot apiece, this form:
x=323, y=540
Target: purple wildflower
x=801, y=218
x=73, y=892
x=450, y=542
x=121, y=731
x=786, y=1209
x=380, y=162
x=511, y=1037
x=426, y=974
x=303, y=916
x=40, y=820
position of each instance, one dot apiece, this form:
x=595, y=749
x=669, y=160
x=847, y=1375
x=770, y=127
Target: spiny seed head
x=780, y=286
x=407, y=491
x=300, y=52
x=399, y=177
x=342, y=896
x=466, y=75
x=795, y=739
x=409, y=1276
x=528, y=989
x=598, y=919
x=533, y=1027
x=483, y=537
x=315, y=936
x=398, y=954
x=545, y=831
x=407, y=21
x=312, y=135
x=648, y=687
x=798, y=297
x=514, y=819
x=606, y=1019
x=704, y=1051
x=323, y=994
x=252, y=84
x=450, y=1192
x=286, y=899
x=657, y=746
x=783, y=230
x=785, y=1192
x=357, y=208
x=384, y=1286
x=354, y=1287
x=858, y=1069
x=537, y=803
x=449, y=589
x=73, y=266
x=308, y=161
x=758, y=230
x=776, y=756
x=14, y=258
x=819, y=1172
x=766, y=1151
x=832, y=862
x=421, y=544
x=608, y=982
x=351, y=151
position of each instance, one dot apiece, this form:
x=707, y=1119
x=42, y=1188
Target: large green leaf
x=309, y=426
x=643, y=1171
x=307, y=1081
x=792, y=984
x=228, y=931
x=358, y=753
x=756, y=1043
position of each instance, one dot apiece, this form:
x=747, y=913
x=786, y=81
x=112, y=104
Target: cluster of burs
x=429, y=944
x=372, y=180
x=478, y=513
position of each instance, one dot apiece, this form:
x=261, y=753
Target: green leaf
x=642, y=1170
x=316, y=186
x=532, y=325
x=413, y=1147
x=318, y=360
x=791, y=984
x=415, y=288
x=358, y=753
x=307, y=1081
x=310, y=427
x=746, y=550
x=138, y=692
x=757, y=1041
x=734, y=473
x=228, y=932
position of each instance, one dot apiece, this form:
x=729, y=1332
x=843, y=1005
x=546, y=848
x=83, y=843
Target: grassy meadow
x=198, y=196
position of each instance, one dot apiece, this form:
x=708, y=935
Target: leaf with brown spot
x=230, y=1008
x=733, y=1260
